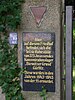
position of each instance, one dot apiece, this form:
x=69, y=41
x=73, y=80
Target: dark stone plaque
x=39, y=61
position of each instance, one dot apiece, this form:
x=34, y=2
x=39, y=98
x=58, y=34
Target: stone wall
x=51, y=22
x=2, y=97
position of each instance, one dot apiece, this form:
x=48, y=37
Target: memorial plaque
x=39, y=61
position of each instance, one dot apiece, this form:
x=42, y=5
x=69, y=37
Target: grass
x=74, y=63
x=74, y=83
x=73, y=28
x=73, y=60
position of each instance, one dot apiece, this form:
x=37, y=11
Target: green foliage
x=10, y=17
x=9, y=71
x=43, y=93
x=74, y=42
x=10, y=14
x=68, y=2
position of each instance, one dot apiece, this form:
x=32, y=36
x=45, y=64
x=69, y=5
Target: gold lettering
x=37, y=39
x=38, y=68
x=29, y=76
x=40, y=77
x=38, y=54
x=44, y=81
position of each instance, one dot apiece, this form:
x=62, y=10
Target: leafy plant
x=9, y=71
x=43, y=93
x=10, y=14
x=10, y=17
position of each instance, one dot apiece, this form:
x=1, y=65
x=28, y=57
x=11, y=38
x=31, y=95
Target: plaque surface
x=39, y=61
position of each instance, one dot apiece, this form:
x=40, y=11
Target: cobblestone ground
x=1, y=95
